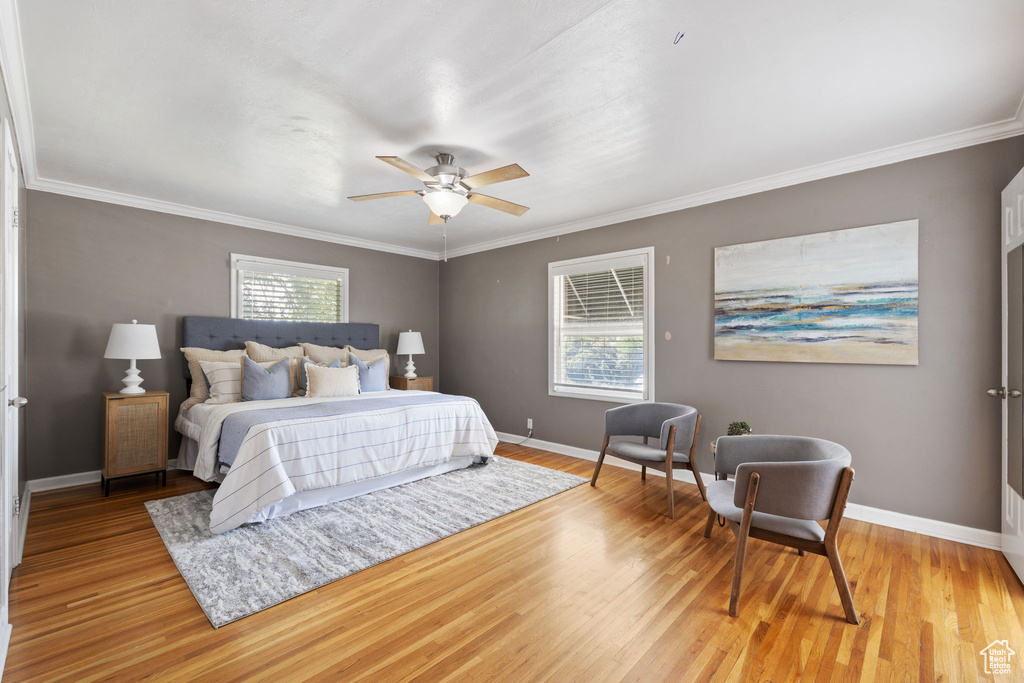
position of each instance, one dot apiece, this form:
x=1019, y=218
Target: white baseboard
x=585, y=454
x=5, y=642
x=26, y=502
x=863, y=513
x=68, y=480
x=63, y=481
x=925, y=526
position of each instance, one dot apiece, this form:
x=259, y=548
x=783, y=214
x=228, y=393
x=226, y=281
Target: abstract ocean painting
x=846, y=296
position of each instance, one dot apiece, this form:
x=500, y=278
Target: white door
x=9, y=398
x=1012, y=481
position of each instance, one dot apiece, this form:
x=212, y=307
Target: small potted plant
x=738, y=429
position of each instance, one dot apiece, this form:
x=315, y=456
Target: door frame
x=1011, y=232
x=9, y=358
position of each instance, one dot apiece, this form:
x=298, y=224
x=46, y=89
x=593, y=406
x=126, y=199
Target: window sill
x=597, y=395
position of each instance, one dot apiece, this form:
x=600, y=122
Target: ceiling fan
x=450, y=188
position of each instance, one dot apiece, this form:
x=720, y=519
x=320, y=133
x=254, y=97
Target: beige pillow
x=193, y=355
x=325, y=354
x=331, y=382
x=261, y=353
x=367, y=355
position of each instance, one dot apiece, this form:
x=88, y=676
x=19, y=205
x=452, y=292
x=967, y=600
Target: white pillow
x=225, y=379
x=331, y=382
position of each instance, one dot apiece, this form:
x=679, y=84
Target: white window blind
x=600, y=327
x=272, y=289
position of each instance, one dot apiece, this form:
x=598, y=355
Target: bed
x=277, y=457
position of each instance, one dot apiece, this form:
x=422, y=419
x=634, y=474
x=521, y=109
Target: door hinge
x=17, y=505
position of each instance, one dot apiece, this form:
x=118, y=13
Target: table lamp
x=132, y=342
x=409, y=343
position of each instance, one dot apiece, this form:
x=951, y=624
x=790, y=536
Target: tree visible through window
x=270, y=289
x=599, y=327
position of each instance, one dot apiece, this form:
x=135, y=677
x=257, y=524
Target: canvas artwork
x=846, y=296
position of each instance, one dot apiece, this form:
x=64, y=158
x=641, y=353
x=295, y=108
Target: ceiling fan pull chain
x=444, y=236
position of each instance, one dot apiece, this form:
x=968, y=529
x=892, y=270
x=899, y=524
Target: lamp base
x=132, y=380
x=410, y=369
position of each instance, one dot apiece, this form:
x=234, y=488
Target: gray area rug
x=257, y=566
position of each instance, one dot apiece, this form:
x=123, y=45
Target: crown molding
x=890, y=155
x=85, y=192
x=13, y=68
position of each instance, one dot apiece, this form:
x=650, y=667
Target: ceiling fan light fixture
x=445, y=203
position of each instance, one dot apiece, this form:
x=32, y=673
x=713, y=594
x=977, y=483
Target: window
x=271, y=289
x=601, y=327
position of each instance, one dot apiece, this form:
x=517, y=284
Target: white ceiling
x=272, y=112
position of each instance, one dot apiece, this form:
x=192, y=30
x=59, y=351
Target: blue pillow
x=264, y=384
x=302, y=370
x=373, y=376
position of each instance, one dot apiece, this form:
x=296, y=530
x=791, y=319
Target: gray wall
x=925, y=439
x=91, y=264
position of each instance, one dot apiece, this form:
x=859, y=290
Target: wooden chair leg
x=692, y=461
x=671, y=491
x=711, y=523
x=600, y=461
x=643, y=473
x=832, y=552
x=737, y=570
x=832, y=546
x=700, y=481
x=742, y=534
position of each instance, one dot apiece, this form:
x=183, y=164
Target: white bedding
x=281, y=459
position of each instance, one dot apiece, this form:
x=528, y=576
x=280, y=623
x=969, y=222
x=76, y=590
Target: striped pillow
x=195, y=355
x=224, y=379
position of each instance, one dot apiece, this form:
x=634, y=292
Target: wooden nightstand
x=134, y=436
x=420, y=383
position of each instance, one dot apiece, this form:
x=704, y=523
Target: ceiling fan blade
x=382, y=195
x=408, y=168
x=435, y=219
x=497, y=175
x=499, y=204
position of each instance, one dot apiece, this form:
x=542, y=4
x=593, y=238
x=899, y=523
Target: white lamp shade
x=131, y=341
x=445, y=203
x=410, y=343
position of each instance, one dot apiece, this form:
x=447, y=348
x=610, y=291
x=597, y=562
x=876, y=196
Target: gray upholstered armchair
x=783, y=486
x=670, y=423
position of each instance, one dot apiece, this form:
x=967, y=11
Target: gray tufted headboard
x=223, y=334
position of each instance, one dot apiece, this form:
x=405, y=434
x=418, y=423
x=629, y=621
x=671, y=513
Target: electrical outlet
x=529, y=423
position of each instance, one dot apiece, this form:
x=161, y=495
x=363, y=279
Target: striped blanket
x=299, y=444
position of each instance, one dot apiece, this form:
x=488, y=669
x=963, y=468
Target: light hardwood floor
x=592, y=584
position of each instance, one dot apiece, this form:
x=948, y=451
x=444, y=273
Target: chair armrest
x=685, y=426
